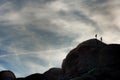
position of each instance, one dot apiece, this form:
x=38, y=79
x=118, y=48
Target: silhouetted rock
x=83, y=58
x=19, y=78
x=7, y=75
x=110, y=55
x=35, y=76
x=92, y=60
x=53, y=74
x=109, y=58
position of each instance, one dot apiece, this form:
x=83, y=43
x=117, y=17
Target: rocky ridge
x=90, y=60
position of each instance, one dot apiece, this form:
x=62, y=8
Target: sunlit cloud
x=37, y=35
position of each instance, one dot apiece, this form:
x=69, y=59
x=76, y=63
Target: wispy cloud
x=42, y=32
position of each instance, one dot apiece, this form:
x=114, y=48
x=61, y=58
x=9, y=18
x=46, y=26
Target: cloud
x=106, y=15
x=28, y=63
x=37, y=35
x=2, y=68
x=103, y=13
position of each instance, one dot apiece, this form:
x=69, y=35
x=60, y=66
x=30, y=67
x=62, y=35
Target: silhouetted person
x=101, y=39
x=96, y=36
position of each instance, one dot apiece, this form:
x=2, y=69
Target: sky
x=36, y=35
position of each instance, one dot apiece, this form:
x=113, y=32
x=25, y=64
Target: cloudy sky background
x=36, y=35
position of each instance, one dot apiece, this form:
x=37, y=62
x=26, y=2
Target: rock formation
x=35, y=76
x=7, y=75
x=53, y=74
x=83, y=57
x=90, y=60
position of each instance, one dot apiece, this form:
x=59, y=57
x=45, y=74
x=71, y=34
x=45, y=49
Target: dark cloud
x=33, y=31
x=94, y=2
x=76, y=15
x=22, y=3
x=100, y=7
x=102, y=13
x=32, y=39
x=2, y=52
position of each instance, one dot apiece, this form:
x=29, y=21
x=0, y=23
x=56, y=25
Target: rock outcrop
x=90, y=60
x=109, y=60
x=7, y=75
x=35, y=76
x=53, y=74
x=83, y=58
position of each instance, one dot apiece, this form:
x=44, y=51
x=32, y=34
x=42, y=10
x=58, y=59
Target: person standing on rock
x=101, y=39
x=96, y=36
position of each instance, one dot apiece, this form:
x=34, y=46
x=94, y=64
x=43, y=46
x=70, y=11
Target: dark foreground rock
x=109, y=60
x=83, y=58
x=53, y=74
x=35, y=76
x=7, y=75
x=90, y=60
